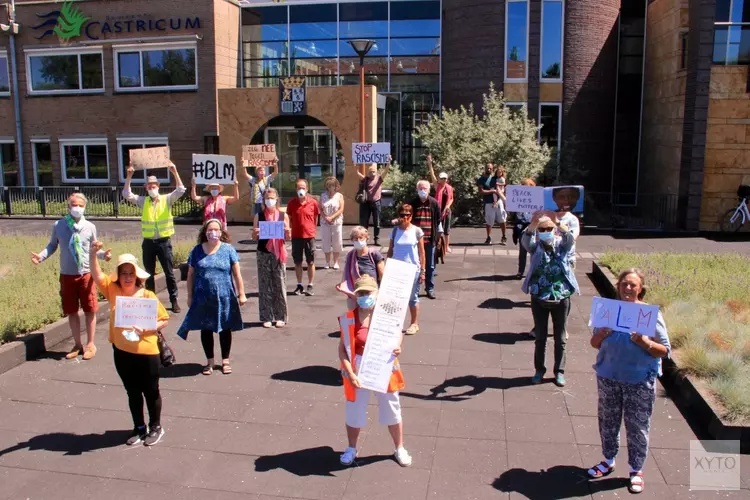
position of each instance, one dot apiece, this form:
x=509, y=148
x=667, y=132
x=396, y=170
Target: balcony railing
x=652, y=212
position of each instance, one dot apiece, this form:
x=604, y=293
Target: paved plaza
x=274, y=429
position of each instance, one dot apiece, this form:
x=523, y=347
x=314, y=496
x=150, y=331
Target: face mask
x=301, y=193
x=153, y=193
x=359, y=244
x=214, y=192
x=77, y=212
x=546, y=236
x=372, y=174
x=422, y=194
x=213, y=236
x=366, y=302
x=271, y=202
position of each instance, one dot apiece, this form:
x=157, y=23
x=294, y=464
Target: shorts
x=495, y=215
x=447, y=223
x=306, y=246
x=389, y=408
x=78, y=292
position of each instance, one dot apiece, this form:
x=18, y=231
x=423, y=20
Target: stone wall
x=663, y=98
x=727, y=163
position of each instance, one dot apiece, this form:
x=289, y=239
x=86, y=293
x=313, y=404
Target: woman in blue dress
x=213, y=300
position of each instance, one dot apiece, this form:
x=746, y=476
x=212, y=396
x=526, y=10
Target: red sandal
x=601, y=469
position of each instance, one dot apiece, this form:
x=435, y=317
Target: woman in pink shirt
x=444, y=197
x=215, y=204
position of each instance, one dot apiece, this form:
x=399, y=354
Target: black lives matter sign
x=214, y=169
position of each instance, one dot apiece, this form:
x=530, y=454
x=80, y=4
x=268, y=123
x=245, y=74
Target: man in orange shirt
x=303, y=212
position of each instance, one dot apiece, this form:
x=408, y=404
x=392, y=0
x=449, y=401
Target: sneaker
x=560, y=380
x=402, y=457
x=336, y=265
x=154, y=435
x=431, y=294
x=488, y=241
x=138, y=435
x=348, y=457
x=310, y=292
x=537, y=378
x=176, y=307
x=326, y=266
x=300, y=290
x=89, y=353
x=74, y=352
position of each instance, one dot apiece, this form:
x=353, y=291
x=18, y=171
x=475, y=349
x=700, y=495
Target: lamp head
x=362, y=46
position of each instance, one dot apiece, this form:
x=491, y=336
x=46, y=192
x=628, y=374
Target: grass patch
x=705, y=300
x=29, y=294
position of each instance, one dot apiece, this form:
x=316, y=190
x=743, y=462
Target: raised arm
x=232, y=199
x=96, y=270
x=386, y=169
x=180, y=189
x=431, y=170
x=193, y=194
x=127, y=193
x=275, y=171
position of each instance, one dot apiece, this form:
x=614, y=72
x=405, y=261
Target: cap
x=365, y=283
x=443, y=175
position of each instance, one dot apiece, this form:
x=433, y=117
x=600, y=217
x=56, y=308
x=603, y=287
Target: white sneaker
x=349, y=455
x=402, y=457
x=326, y=266
x=336, y=265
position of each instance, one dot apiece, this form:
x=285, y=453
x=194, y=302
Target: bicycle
x=735, y=218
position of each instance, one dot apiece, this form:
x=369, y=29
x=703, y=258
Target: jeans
x=429, y=276
x=225, y=341
x=370, y=208
x=522, y=253
x=140, y=376
x=159, y=249
x=541, y=311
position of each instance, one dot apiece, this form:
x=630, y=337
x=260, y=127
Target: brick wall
x=663, y=97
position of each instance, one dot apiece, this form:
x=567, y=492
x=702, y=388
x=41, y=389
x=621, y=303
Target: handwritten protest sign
x=214, y=169
x=271, y=230
x=134, y=311
x=259, y=154
x=374, y=372
x=370, y=152
x=148, y=158
x=623, y=316
x=524, y=198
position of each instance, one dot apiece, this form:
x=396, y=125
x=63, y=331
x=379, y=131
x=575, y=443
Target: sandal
x=413, y=329
x=280, y=324
x=267, y=324
x=636, y=483
x=208, y=370
x=601, y=469
x=225, y=368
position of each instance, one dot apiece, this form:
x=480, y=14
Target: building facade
x=648, y=96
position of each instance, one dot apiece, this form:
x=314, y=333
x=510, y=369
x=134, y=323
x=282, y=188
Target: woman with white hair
x=360, y=260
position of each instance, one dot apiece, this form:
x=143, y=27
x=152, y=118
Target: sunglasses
x=545, y=229
x=404, y=215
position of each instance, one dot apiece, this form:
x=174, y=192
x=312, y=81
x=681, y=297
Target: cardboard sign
x=533, y=198
x=524, y=198
x=148, y=158
x=623, y=316
x=271, y=230
x=133, y=311
x=259, y=154
x=370, y=152
x=214, y=169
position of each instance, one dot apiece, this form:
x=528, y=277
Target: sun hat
x=365, y=283
x=128, y=258
x=151, y=179
x=208, y=187
x=443, y=175
x=545, y=221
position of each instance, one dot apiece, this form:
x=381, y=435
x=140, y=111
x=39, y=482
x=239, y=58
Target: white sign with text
x=623, y=316
x=214, y=169
x=134, y=311
x=259, y=154
x=370, y=152
x=148, y=158
x=271, y=230
x=524, y=198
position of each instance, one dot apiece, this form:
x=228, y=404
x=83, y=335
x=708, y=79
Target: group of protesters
x=627, y=363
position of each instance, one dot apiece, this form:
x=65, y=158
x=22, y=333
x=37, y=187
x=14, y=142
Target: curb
x=33, y=345
x=682, y=388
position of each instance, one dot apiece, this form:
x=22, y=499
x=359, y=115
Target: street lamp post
x=362, y=47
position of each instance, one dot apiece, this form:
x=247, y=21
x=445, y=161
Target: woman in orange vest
x=355, y=326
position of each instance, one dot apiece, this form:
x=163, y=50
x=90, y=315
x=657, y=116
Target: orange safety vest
x=348, y=336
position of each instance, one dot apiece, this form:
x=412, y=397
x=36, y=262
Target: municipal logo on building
x=66, y=23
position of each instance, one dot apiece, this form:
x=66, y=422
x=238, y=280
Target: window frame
x=139, y=141
x=525, y=79
x=542, y=79
x=4, y=55
x=518, y=103
x=78, y=52
x=559, y=123
x=72, y=141
x=148, y=47
x=34, y=159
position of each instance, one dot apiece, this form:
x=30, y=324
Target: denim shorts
x=414, y=300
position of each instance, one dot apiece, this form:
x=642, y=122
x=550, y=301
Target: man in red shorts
x=73, y=234
x=303, y=212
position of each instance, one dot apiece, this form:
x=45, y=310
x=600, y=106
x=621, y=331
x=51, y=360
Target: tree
x=514, y=54
x=552, y=71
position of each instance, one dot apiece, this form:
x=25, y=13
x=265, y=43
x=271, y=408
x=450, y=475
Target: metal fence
x=103, y=201
x=656, y=212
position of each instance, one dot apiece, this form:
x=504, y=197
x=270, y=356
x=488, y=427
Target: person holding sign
x=157, y=228
x=627, y=366
x=213, y=300
x=360, y=260
x=259, y=183
x=215, y=205
x=523, y=219
x=331, y=222
x=371, y=187
x=137, y=361
x=551, y=283
x=355, y=327
x=444, y=197
x=271, y=258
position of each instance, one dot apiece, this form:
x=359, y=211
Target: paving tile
x=541, y=402
x=378, y=444
x=486, y=457
x=451, y=485
x=538, y=428
x=463, y=423
x=424, y=374
x=673, y=464
x=683, y=492
x=489, y=358
x=386, y=480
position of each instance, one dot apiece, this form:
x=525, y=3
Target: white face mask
x=271, y=202
x=422, y=194
x=301, y=192
x=214, y=192
x=77, y=212
x=359, y=244
x=153, y=193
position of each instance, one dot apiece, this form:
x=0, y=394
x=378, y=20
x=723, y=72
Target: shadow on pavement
x=56, y=355
x=316, y=374
x=71, y=444
x=335, y=335
x=495, y=278
x=181, y=370
x=478, y=386
x=558, y=482
x=500, y=303
x=503, y=338
x=320, y=461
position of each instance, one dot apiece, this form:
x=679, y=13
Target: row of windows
x=732, y=32
x=517, y=40
x=81, y=70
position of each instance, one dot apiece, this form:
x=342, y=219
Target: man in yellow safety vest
x=157, y=227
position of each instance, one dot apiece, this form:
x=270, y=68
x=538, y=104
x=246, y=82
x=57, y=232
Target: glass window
x=8, y=164
x=315, y=67
x=414, y=65
x=516, y=107
x=377, y=65
x=516, y=39
x=258, y=83
x=683, y=50
x=379, y=81
x=4, y=80
x=43, y=163
x=363, y=20
x=86, y=161
x=379, y=49
x=265, y=50
x=731, y=37
x=312, y=22
x=415, y=19
x=125, y=146
x=552, y=18
x=168, y=67
x=65, y=73
x=549, y=134
x=264, y=24
x=266, y=67
x=740, y=12
x=317, y=48
x=415, y=83
x=415, y=46
x=722, y=10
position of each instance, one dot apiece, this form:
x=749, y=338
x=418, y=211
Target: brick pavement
x=274, y=428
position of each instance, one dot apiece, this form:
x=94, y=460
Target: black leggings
x=140, y=376
x=225, y=341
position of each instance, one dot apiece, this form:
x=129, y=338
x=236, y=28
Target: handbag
x=361, y=196
x=165, y=352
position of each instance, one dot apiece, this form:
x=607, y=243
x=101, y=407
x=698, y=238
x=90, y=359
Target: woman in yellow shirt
x=136, y=351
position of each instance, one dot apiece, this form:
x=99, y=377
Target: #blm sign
x=623, y=316
x=370, y=152
x=524, y=198
x=214, y=169
x=259, y=154
x=271, y=230
x=148, y=158
x=134, y=311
